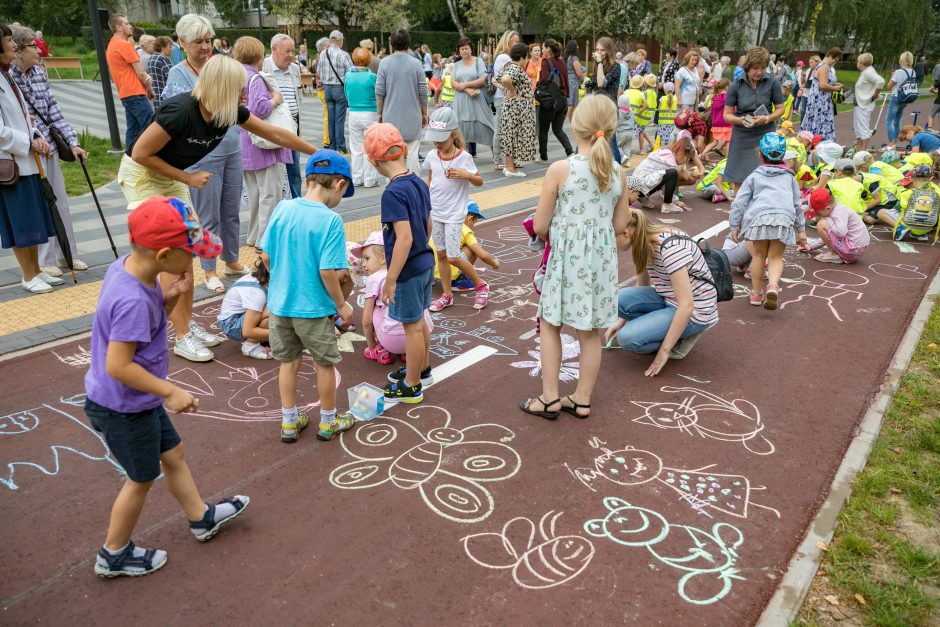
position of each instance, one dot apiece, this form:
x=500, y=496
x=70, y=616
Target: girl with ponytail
x=582, y=206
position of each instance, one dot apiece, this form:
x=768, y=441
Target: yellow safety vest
x=642, y=115
x=914, y=159
x=886, y=185
x=847, y=191
x=795, y=145
x=667, y=110
x=788, y=107
x=447, y=91
x=891, y=173
x=868, y=182
x=805, y=176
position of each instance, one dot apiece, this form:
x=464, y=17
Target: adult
x=920, y=69
x=748, y=106
x=935, y=75
x=401, y=94
x=704, y=66
x=517, y=133
x=867, y=88
x=667, y=70
x=811, y=66
x=688, y=81
x=674, y=300
x=145, y=49
x=302, y=58
x=158, y=67
x=322, y=44
x=332, y=67
x=226, y=48
x=185, y=131
x=576, y=73
x=31, y=79
x=900, y=81
x=42, y=46
x=718, y=67
x=24, y=221
x=133, y=82
x=739, y=68
x=552, y=114
x=643, y=66
x=919, y=139
x=360, y=93
x=281, y=67
x=660, y=171
x=534, y=64
x=820, y=116
x=606, y=78
x=374, y=63
x=427, y=61
x=176, y=56
x=474, y=115
x=508, y=39
x=800, y=87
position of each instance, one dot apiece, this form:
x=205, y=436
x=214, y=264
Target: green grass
x=78, y=49
x=102, y=166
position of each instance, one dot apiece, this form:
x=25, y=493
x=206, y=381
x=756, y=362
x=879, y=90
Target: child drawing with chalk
x=244, y=317
x=583, y=203
x=471, y=250
x=127, y=393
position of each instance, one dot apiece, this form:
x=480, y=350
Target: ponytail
x=261, y=273
x=594, y=120
x=602, y=161
x=640, y=245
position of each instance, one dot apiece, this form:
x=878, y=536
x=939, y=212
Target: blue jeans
x=615, y=148
x=336, y=107
x=293, y=176
x=648, y=317
x=137, y=113
x=893, y=120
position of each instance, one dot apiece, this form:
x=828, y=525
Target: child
x=305, y=252
x=470, y=249
x=641, y=115
x=668, y=106
x=584, y=202
x=451, y=170
x=406, y=213
x=764, y=214
x=928, y=194
x=126, y=387
x=713, y=185
x=721, y=130
x=840, y=228
x=788, y=103
x=651, y=101
x=244, y=315
x=626, y=127
x=887, y=208
x=445, y=96
x=887, y=167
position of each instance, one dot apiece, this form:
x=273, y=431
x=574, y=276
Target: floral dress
x=517, y=127
x=580, y=284
x=820, y=117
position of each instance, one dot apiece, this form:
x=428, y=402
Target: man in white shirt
x=286, y=74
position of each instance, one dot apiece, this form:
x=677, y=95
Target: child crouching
x=840, y=228
x=244, y=315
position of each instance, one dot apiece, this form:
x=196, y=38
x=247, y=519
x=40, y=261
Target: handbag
x=485, y=90
x=9, y=172
x=61, y=143
x=280, y=116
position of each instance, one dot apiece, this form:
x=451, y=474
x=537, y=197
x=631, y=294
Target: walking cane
x=884, y=101
x=100, y=212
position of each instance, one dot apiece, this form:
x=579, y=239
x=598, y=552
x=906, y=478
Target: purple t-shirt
x=128, y=311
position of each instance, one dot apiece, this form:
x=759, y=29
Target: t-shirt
x=120, y=55
x=746, y=99
x=191, y=137
x=678, y=254
x=407, y=199
x=449, y=196
x=375, y=283
x=901, y=76
x=303, y=238
x=246, y=293
x=688, y=90
x=467, y=238
x=498, y=66
x=128, y=311
x=927, y=142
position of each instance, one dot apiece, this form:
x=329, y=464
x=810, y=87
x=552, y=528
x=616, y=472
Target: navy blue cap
x=331, y=162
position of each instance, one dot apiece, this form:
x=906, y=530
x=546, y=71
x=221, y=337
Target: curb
x=786, y=602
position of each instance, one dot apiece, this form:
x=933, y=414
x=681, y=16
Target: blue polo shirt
x=407, y=198
x=927, y=142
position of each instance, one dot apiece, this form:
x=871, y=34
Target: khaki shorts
x=138, y=184
x=290, y=336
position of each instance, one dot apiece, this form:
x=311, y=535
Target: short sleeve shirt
x=682, y=253
x=121, y=55
x=467, y=238
x=746, y=99
x=303, y=238
x=901, y=76
x=407, y=199
x=449, y=196
x=927, y=142
x=245, y=294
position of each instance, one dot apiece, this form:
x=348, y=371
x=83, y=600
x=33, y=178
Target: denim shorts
x=136, y=440
x=232, y=327
x=412, y=297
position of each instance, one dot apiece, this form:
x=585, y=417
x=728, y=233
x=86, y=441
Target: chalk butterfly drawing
x=448, y=467
x=536, y=563
x=708, y=416
x=570, y=352
x=708, y=558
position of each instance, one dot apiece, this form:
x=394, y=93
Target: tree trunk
x=452, y=7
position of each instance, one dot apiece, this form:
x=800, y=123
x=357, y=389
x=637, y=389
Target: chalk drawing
x=706, y=415
x=447, y=466
x=703, y=489
x=451, y=337
x=509, y=253
x=506, y=293
x=570, y=364
x=81, y=358
x=832, y=284
x=900, y=271
x=521, y=310
x=537, y=563
x=693, y=379
x=708, y=558
x=904, y=247
x=869, y=310
x=345, y=341
x=513, y=234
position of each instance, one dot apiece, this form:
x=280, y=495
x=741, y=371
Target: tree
x=491, y=16
x=383, y=17
x=232, y=11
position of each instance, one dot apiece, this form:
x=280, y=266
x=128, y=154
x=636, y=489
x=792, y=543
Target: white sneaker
x=77, y=264
x=516, y=174
x=52, y=270
x=188, y=347
x=51, y=280
x=669, y=207
x=205, y=337
x=36, y=285
x=255, y=350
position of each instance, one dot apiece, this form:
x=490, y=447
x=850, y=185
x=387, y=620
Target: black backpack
x=549, y=94
x=718, y=266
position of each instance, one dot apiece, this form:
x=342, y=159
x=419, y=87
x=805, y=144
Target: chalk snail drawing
x=538, y=561
x=708, y=558
x=448, y=467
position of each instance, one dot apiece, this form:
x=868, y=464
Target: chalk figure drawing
x=536, y=563
x=570, y=364
x=704, y=489
x=706, y=415
x=708, y=558
x=448, y=467
x=902, y=271
x=832, y=284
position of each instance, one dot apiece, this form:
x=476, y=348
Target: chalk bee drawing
x=708, y=558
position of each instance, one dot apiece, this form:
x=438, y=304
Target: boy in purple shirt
x=126, y=386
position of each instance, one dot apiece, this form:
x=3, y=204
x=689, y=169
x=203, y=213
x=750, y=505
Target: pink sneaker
x=481, y=296
x=719, y=198
x=381, y=355
x=442, y=302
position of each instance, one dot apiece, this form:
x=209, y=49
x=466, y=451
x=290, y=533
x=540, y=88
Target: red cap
x=162, y=222
x=383, y=142
x=819, y=198
x=817, y=139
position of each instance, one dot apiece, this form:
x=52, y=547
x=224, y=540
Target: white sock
x=328, y=416
x=289, y=415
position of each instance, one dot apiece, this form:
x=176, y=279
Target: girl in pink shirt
x=721, y=130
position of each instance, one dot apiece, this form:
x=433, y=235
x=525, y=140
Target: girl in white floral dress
x=581, y=207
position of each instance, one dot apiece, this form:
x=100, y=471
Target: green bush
x=442, y=42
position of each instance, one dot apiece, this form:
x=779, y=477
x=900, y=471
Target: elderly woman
x=748, y=107
x=902, y=80
x=688, y=82
x=867, y=89
x=363, y=111
x=820, y=118
x=42, y=106
x=146, y=48
x=509, y=39
x=159, y=67
x=517, y=135
x=477, y=124
x=24, y=221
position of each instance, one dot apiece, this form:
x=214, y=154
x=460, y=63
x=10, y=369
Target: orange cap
x=379, y=141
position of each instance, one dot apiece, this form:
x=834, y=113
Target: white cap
x=829, y=151
x=336, y=36
x=789, y=155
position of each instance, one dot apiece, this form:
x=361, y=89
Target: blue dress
x=820, y=118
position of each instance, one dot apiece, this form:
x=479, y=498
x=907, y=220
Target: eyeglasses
x=32, y=46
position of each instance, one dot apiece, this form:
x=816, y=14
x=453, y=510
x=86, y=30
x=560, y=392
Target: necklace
x=450, y=161
x=195, y=71
x=405, y=173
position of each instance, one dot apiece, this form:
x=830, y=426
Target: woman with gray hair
x=322, y=44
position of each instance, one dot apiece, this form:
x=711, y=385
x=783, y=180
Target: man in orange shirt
x=133, y=83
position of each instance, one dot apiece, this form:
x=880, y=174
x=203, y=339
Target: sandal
x=233, y=272
x=573, y=410
x=771, y=297
x=207, y=526
x=214, y=285
x=550, y=415
x=130, y=562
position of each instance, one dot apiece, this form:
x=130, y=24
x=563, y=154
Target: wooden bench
x=306, y=81
x=63, y=63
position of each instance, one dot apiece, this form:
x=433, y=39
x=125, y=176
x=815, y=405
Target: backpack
x=921, y=213
x=909, y=89
x=549, y=94
x=683, y=119
x=718, y=266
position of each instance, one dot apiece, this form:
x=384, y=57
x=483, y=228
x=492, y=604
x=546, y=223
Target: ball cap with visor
x=830, y=152
x=818, y=199
x=473, y=209
x=844, y=165
x=375, y=239
x=383, y=142
x=167, y=222
x=331, y=162
x=443, y=122
x=773, y=146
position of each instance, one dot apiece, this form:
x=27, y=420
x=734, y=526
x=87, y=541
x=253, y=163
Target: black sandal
x=549, y=415
x=573, y=410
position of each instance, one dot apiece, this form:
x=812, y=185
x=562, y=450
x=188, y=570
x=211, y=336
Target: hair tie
x=599, y=134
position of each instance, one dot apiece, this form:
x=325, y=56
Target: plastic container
x=366, y=401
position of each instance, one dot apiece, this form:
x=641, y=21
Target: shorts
x=846, y=252
x=138, y=184
x=891, y=209
x=446, y=237
x=290, y=336
x=136, y=440
x=412, y=297
x=232, y=327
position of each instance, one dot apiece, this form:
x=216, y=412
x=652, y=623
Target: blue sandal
x=207, y=527
x=126, y=564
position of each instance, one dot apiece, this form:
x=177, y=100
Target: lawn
x=102, y=166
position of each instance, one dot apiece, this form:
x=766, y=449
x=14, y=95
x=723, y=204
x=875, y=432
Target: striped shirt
x=679, y=254
x=285, y=82
x=34, y=85
x=158, y=67
x=341, y=62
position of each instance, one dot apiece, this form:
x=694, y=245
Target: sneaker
x=481, y=296
x=344, y=422
x=399, y=375
x=669, y=207
x=36, y=285
x=683, y=346
x=828, y=257
x=205, y=337
x=290, y=431
x=771, y=298
x=51, y=280
x=510, y=174
x=401, y=391
x=207, y=526
x=255, y=351
x=188, y=347
x=462, y=284
x=718, y=198
x=442, y=302
x=756, y=299
x=77, y=265
x=130, y=562
x=924, y=237
x=370, y=185
x=55, y=271
x=899, y=234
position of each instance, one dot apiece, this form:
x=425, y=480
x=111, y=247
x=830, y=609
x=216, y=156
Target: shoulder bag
x=58, y=138
x=280, y=116
x=485, y=90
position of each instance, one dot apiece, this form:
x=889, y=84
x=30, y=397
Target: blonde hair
x=641, y=248
x=248, y=50
x=219, y=87
x=866, y=59
x=597, y=114
x=503, y=46
x=457, y=136
x=907, y=59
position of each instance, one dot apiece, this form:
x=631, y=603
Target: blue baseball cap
x=474, y=209
x=331, y=162
x=773, y=146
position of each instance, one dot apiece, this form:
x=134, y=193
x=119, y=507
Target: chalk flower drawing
x=570, y=352
x=448, y=467
x=81, y=358
x=708, y=559
x=537, y=563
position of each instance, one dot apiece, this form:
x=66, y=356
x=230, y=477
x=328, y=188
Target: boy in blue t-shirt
x=305, y=250
x=126, y=388
x=406, y=215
